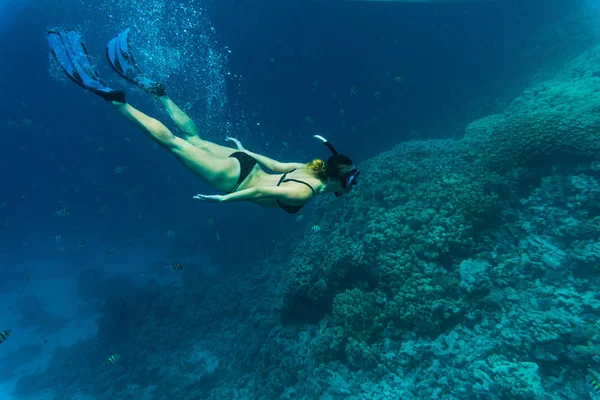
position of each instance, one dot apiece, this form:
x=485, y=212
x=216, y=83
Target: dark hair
x=335, y=163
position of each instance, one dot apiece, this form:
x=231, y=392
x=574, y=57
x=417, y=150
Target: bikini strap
x=298, y=181
x=283, y=179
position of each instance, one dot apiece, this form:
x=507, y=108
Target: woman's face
x=336, y=183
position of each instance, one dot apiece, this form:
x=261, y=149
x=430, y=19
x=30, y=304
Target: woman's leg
x=190, y=131
x=221, y=173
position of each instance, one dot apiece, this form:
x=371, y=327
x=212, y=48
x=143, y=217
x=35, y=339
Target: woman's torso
x=258, y=177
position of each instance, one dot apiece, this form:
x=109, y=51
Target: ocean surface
x=463, y=265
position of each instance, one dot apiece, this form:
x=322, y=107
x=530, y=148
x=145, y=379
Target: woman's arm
x=267, y=162
x=274, y=165
x=295, y=194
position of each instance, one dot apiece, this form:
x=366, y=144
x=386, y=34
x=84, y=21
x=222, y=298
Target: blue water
x=271, y=73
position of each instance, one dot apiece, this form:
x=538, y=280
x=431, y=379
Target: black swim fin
x=122, y=61
x=70, y=52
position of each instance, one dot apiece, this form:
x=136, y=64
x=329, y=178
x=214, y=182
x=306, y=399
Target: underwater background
x=465, y=265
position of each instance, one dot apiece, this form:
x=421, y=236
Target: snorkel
x=349, y=178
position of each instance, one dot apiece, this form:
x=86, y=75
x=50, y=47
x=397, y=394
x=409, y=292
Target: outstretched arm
x=260, y=192
x=267, y=162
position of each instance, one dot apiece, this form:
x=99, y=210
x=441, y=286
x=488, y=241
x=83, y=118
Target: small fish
x=111, y=251
x=60, y=249
x=170, y=234
x=3, y=336
x=299, y=218
x=176, y=267
x=63, y=212
x=56, y=238
x=139, y=216
x=112, y=359
x=353, y=90
x=398, y=79
x=316, y=228
x=210, y=221
x=218, y=237
x=102, y=209
x=133, y=190
x=376, y=95
x=120, y=169
x=100, y=148
x=4, y=225
x=80, y=243
x=591, y=380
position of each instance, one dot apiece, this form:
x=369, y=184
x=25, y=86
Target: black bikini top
x=287, y=208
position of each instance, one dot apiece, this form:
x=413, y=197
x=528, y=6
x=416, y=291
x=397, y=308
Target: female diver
x=237, y=173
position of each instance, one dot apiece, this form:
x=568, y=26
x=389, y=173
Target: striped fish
x=63, y=212
x=592, y=380
x=3, y=336
x=176, y=267
x=594, y=384
x=112, y=359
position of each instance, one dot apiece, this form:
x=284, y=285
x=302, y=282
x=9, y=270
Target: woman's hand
x=237, y=143
x=214, y=198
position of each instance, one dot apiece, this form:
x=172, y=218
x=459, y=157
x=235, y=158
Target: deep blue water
x=288, y=61
x=291, y=57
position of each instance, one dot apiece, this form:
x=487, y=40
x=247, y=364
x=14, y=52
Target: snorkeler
x=234, y=171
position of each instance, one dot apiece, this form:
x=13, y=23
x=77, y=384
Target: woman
x=236, y=172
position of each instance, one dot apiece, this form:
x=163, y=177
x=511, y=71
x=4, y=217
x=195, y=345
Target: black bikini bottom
x=247, y=164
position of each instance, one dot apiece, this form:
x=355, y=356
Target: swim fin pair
x=69, y=50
